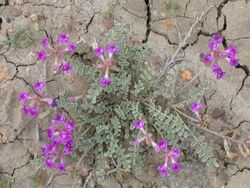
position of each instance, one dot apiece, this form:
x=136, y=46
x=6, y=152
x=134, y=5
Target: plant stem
x=183, y=42
x=205, y=129
x=217, y=134
x=185, y=115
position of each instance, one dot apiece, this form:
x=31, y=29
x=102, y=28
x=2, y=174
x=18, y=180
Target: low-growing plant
x=126, y=109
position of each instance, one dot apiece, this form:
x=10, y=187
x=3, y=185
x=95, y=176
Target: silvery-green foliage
x=106, y=114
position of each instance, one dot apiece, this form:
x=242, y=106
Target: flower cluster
x=161, y=146
x=57, y=53
x=217, y=54
x=106, y=61
x=61, y=143
x=31, y=103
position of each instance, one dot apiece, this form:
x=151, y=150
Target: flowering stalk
x=218, y=54
x=61, y=143
x=62, y=47
x=106, y=61
x=195, y=107
x=31, y=103
x=161, y=146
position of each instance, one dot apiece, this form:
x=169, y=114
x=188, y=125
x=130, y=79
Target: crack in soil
x=219, y=11
x=186, y=7
x=244, y=121
x=148, y=24
x=246, y=71
x=165, y=36
x=89, y=23
x=247, y=74
x=240, y=170
x=124, y=8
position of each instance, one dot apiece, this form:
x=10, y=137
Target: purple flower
x=231, y=50
x=25, y=108
x=156, y=148
x=45, y=42
x=71, y=48
x=34, y=111
x=105, y=81
x=59, y=119
x=196, y=106
x=69, y=125
x=66, y=68
x=51, y=149
x=217, y=38
x=63, y=38
x=212, y=46
x=61, y=167
x=23, y=96
x=49, y=162
x=39, y=86
x=163, y=144
x=51, y=132
x=113, y=49
x=64, y=137
x=61, y=142
x=54, y=103
x=139, y=124
x=233, y=62
x=163, y=170
x=99, y=52
x=208, y=58
x=175, y=153
x=176, y=167
x=67, y=150
x=218, y=71
x=42, y=55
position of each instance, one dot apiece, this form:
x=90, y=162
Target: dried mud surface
x=83, y=19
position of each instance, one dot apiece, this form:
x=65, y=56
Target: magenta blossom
x=42, y=55
x=163, y=170
x=176, y=167
x=196, y=106
x=31, y=103
x=45, y=42
x=161, y=147
x=40, y=86
x=63, y=38
x=61, y=143
x=23, y=96
x=139, y=124
x=218, y=53
x=106, y=61
x=105, y=81
x=99, y=52
x=163, y=144
x=57, y=53
x=66, y=68
x=218, y=71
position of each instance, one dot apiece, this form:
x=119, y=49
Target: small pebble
x=19, y=2
x=8, y=20
x=34, y=17
x=11, y=30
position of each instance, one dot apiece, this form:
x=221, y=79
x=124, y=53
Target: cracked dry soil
x=228, y=103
